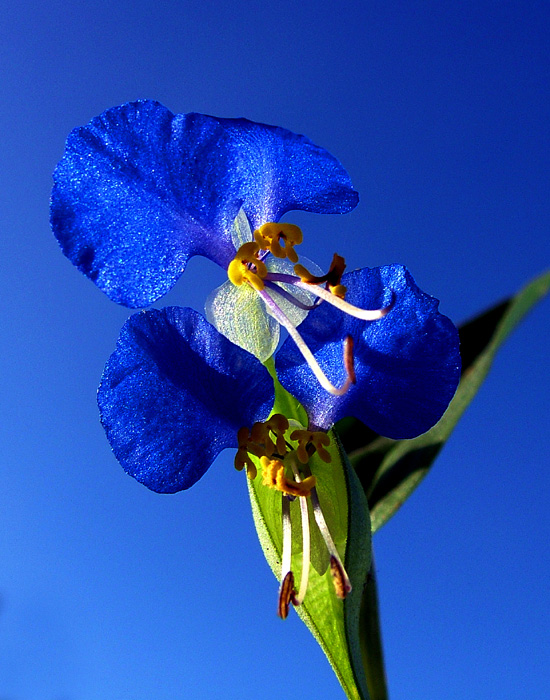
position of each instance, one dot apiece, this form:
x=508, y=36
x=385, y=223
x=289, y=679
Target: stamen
x=286, y=595
x=287, y=537
x=246, y=267
x=260, y=443
x=334, y=299
x=270, y=235
x=333, y=276
x=257, y=442
x=348, y=358
x=242, y=458
x=340, y=578
x=273, y=473
x=306, y=553
x=278, y=424
x=306, y=541
x=346, y=307
x=317, y=440
x=286, y=591
x=303, y=348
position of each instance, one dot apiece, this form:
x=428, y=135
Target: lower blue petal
x=407, y=364
x=174, y=394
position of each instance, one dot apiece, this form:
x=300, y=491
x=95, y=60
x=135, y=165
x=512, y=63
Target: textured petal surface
x=278, y=171
x=136, y=195
x=140, y=190
x=407, y=364
x=173, y=395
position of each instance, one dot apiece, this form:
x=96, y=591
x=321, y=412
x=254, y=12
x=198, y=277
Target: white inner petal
x=240, y=315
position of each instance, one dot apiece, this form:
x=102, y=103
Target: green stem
x=371, y=640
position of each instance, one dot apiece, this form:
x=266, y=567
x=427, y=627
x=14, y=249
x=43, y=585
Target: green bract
x=333, y=622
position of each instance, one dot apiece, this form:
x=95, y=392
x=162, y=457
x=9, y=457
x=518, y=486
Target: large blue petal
x=135, y=196
x=407, y=364
x=174, y=394
x=140, y=190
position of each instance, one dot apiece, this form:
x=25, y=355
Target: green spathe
x=333, y=622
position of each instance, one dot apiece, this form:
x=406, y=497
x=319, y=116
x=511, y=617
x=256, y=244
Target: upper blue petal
x=278, y=171
x=407, y=364
x=140, y=190
x=174, y=394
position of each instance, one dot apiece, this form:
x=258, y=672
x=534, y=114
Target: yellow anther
x=260, y=443
x=273, y=472
x=278, y=425
x=316, y=440
x=242, y=436
x=270, y=235
x=246, y=267
x=242, y=459
x=339, y=290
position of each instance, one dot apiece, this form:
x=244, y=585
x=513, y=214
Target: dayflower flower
x=138, y=192
x=406, y=368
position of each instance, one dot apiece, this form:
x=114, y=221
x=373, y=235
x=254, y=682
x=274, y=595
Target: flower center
x=284, y=452
x=279, y=239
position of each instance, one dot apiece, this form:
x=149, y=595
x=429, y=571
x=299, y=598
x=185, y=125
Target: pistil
x=286, y=590
x=342, y=584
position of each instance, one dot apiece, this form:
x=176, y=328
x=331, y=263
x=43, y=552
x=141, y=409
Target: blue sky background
x=440, y=113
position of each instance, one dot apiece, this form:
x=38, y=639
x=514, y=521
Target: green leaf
x=390, y=470
x=334, y=623
x=371, y=640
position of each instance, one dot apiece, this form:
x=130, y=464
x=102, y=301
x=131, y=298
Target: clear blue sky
x=440, y=113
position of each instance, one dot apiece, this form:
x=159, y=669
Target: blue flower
x=140, y=190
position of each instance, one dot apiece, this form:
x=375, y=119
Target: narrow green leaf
x=390, y=470
x=334, y=623
x=371, y=640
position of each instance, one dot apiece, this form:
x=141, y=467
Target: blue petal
x=407, y=364
x=174, y=394
x=140, y=190
x=278, y=171
x=135, y=197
